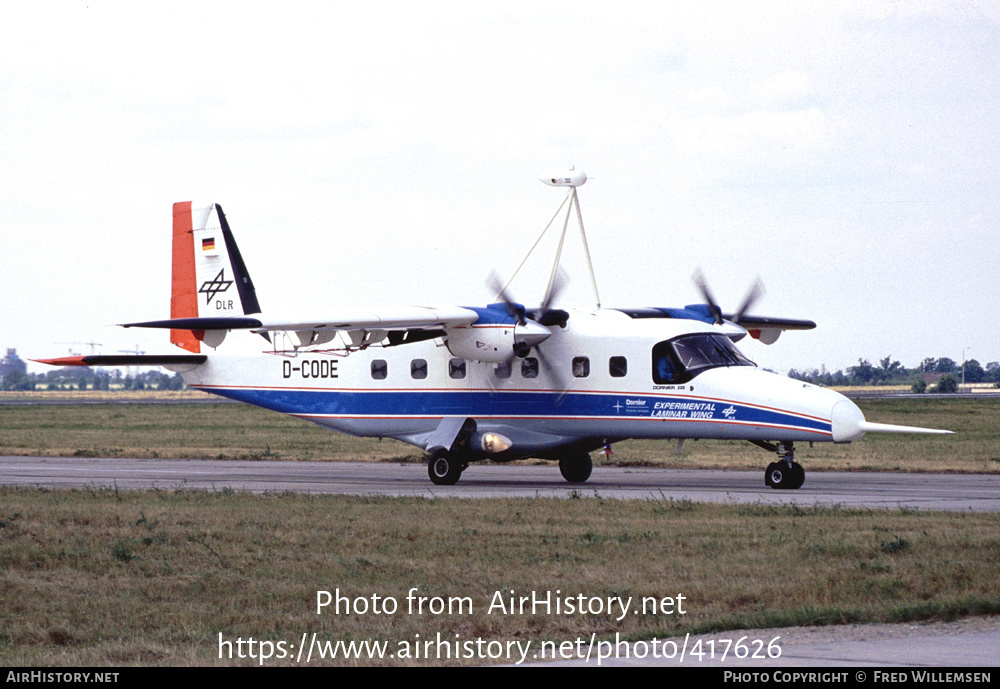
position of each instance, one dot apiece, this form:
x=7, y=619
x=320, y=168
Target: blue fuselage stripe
x=539, y=405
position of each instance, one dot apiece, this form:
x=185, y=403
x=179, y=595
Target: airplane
x=499, y=382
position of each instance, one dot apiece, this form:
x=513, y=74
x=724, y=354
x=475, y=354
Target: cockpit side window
x=682, y=358
x=665, y=367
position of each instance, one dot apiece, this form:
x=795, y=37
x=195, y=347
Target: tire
x=443, y=469
x=798, y=476
x=777, y=475
x=576, y=468
x=767, y=475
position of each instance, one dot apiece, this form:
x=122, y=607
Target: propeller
x=553, y=371
x=532, y=326
x=545, y=314
x=755, y=292
x=515, y=309
x=706, y=293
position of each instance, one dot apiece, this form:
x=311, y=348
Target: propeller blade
x=553, y=373
x=553, y=294
x=496, y=285
x=545, y=314
x=706, y=293
x=496, y=382
x=755, y=292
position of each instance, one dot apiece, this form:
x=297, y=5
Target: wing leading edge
x=396, y=318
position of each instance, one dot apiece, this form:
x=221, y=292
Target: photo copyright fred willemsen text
x=447, y=646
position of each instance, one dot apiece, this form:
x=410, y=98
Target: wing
x=764, y=328
x=767, y=329
x=401, y=324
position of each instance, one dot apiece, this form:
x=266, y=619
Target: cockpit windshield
x=681, y=359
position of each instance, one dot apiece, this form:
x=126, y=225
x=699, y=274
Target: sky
x=846, y=153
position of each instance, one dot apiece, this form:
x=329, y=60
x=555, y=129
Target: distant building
x=12, y=363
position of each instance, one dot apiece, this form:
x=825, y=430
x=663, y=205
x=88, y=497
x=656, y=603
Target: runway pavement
x=976, y=492
x=967, y=643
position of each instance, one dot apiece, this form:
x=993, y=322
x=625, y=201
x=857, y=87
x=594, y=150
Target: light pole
x=963, y=365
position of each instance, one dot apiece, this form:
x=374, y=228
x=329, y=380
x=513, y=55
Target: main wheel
x=444, y=469
x=576, y=468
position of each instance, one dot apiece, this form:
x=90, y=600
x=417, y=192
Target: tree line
x=942, y=375
x=91, y=379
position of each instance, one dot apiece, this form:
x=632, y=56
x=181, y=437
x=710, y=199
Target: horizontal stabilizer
x=869, y=427
x=207, y=323
x=126, y=360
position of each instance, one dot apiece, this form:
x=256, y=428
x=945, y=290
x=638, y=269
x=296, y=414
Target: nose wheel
x=784, y=477
x=786, y=473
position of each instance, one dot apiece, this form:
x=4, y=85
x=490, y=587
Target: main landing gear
x=576, y=468
x=444, y=468
x=786, y=473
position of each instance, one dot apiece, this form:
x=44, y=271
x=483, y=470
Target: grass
x=109, y=577
x=117, y=395
x=184, y=431
x=236, y=431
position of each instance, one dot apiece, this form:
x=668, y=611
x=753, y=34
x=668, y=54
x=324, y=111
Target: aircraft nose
x=846, y=421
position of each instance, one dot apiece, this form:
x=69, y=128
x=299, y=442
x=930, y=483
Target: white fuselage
x=589, y=383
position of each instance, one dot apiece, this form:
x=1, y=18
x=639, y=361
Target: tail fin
x=206, y=261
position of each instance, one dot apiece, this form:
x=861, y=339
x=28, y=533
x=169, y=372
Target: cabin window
x=456, y=368
x=529, y=367
x=581, y=367
x=682, y=358
x=418, y=369
x=380, y=369
x=502, y=370
x=618, y=366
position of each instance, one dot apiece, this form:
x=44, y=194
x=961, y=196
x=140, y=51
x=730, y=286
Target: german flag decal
x=208, y=244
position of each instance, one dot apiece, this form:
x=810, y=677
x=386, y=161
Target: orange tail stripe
x=184, y=287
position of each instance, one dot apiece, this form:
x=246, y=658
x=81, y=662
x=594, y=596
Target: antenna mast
x=572, y=178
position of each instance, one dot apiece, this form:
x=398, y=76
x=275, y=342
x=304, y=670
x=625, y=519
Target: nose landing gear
x=786, y=473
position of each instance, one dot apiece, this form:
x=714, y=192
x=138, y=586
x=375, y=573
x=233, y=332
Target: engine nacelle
x=492, y=344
